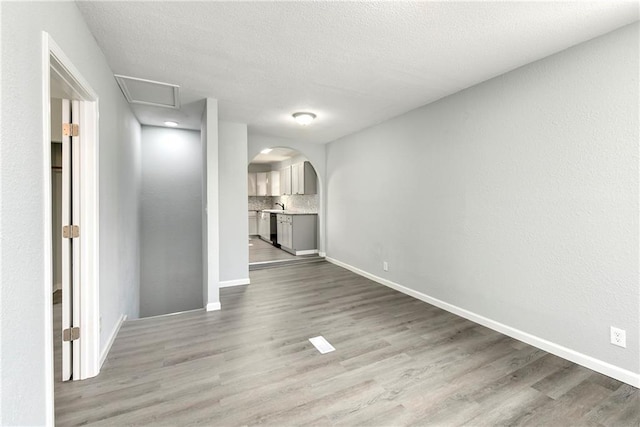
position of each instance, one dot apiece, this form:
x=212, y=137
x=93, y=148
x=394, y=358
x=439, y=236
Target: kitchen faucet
x=280, y=204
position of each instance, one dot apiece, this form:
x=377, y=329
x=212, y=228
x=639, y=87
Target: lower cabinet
x=264, y=226
x=253, y=223
x=298, y=234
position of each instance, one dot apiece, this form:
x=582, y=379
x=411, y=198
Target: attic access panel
x=149, y=92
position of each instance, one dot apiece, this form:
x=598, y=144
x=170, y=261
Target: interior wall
x=23, y=362
x=211, y=251
x=234, y=229
x=171, y=232
x=516, y=199
x=124, y=216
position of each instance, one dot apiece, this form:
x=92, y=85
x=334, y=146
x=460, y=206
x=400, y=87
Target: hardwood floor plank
x=620, y=408
x=398, y=361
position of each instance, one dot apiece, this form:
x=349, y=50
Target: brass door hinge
x=70, y=334
x=70, y=231
x=70, y=129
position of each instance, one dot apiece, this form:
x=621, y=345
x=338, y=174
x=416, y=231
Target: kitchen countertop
x=288, y=212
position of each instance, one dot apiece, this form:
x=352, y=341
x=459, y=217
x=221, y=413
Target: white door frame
x=55, y=61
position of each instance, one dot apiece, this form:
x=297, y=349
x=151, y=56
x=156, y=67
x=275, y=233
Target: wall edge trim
x=112, y=338
x=590, y=362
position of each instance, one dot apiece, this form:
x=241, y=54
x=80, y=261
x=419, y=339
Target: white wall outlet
x=619, y=337
x=385, y=265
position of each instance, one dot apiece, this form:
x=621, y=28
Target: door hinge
x=70, y=129
x=70, y=334
x=70, y=231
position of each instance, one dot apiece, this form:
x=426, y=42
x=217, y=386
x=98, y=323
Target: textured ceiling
x=354, y=64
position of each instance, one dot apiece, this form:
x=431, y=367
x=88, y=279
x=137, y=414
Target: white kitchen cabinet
x=268, y=183
x=285, y=181
x=297, y=234
x=262, y=184
x=295, y=179
x=303, y=179
x=264, y=226
x=274, y=184
x=253, y=223
x=252, y=184
x=285, y=231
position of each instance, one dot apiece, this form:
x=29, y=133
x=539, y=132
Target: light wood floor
x=261, y=251
x=398, y=361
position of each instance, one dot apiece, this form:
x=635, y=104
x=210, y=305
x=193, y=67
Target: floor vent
x=321, y=344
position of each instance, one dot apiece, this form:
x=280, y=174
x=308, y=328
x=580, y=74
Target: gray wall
x=171, y=232
x=234, y=227
x=516, y=199
x=211, y=222
x=23, y=362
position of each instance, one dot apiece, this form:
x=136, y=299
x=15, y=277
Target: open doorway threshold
x=285, y=262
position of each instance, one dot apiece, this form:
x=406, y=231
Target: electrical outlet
x=385, y=266
x=619, y=337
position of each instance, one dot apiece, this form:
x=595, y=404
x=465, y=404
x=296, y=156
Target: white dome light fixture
x=171, y=123
x=304, y=118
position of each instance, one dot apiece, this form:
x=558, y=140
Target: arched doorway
x=284, y=208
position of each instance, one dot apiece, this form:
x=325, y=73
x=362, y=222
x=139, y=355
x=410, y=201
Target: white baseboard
x=597, y=365
x=175, y=313
x=237, y=282
x=213, y=306
x=112, y=338
x=307, y=252
x=322, y=254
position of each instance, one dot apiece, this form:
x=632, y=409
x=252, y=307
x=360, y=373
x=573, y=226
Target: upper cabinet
x=285, y=181
x=252, y=184
x=264, y=183
x=299, y=178
x=274, y=183
x=303, y=179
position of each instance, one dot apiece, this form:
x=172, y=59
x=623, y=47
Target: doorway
x=78, y=216
x=284, y=205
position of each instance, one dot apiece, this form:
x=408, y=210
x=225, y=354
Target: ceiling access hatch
x=149, y=92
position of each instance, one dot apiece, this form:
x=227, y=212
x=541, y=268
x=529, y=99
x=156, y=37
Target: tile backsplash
x=301, y=203
x=258, y=203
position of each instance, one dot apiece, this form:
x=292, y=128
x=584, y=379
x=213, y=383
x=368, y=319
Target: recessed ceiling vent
x=149, y=92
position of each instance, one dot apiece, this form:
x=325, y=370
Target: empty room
x=320, y=213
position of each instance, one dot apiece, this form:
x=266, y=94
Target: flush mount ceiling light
x=266, y=150
x=171, y=124
x=304, y=118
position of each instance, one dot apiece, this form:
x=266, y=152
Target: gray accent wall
x=516, y=199
x=23, y=354
x=171, y=231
